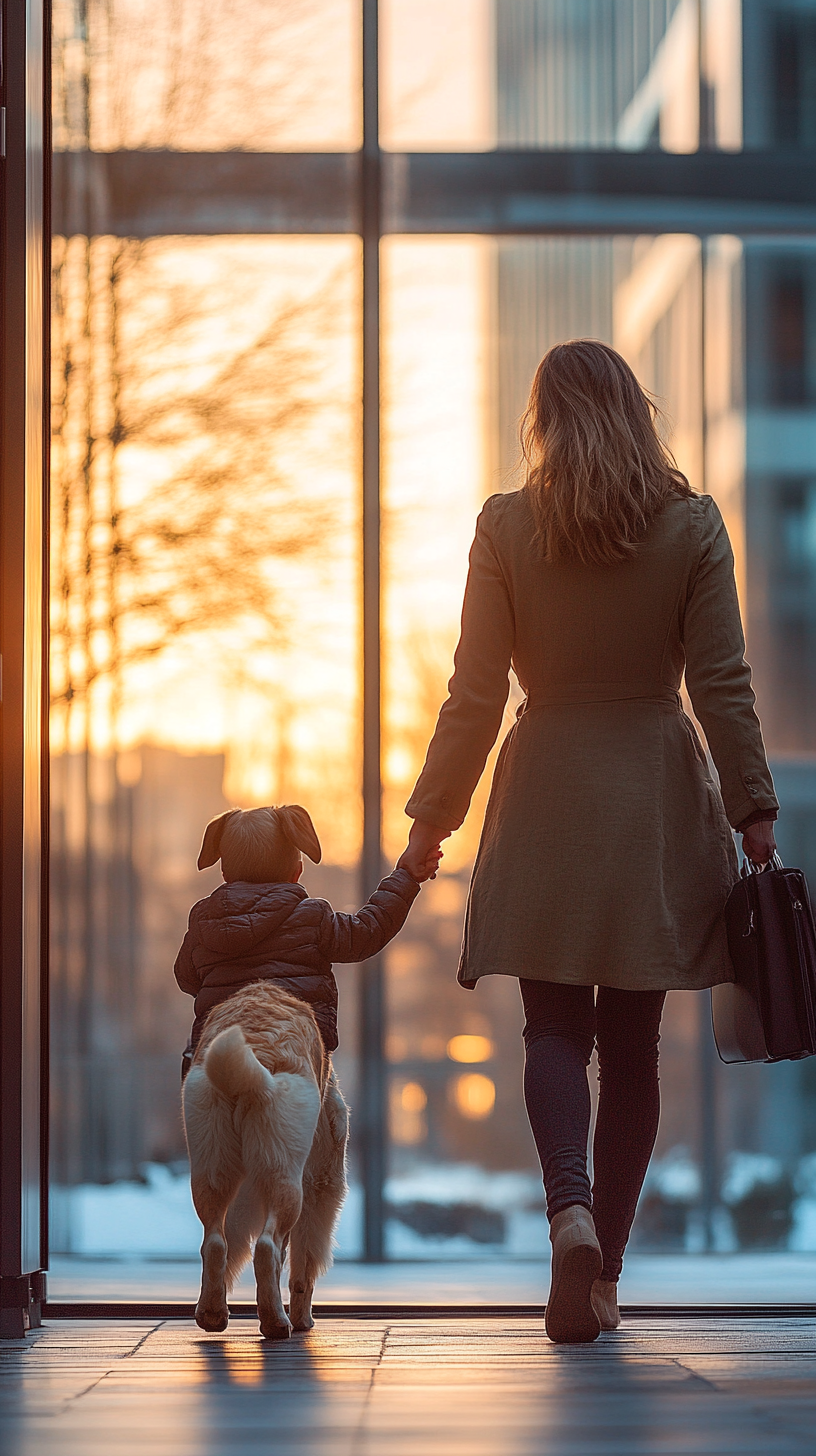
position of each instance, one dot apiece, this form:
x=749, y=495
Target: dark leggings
x=562, y=1025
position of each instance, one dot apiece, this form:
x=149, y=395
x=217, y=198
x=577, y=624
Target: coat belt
x=581, y=693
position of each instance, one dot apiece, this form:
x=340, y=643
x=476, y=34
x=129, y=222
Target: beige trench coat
x=606, y=856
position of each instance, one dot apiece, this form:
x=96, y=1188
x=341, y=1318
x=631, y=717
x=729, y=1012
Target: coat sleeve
x=352, y=938
x=719, y=679
x=184, y=970
x=470, y=719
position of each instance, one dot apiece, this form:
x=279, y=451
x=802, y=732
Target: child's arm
x=350, y=938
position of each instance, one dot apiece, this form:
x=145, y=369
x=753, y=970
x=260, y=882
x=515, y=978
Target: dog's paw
x=303, y=1321
x=300, y=1311
x=212, y=1320
x=274, y=1330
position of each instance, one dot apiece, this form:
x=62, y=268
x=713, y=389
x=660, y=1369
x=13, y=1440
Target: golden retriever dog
x=266, y=1124
x=266, y=1129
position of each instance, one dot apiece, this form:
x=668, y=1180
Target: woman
x=606, y=856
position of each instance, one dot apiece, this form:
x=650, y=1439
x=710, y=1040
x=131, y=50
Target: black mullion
x=371, y=1123
x=532, y=192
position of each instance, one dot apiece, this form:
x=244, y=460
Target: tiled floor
x=479, y=1387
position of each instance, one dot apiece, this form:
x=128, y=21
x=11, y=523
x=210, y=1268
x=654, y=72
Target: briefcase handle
x=749, y=868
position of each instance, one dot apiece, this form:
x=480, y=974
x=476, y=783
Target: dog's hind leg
x=277, y=1133
x=324, y=1188
x=270, y=1249
x=215, y=1176
x=212, y=1310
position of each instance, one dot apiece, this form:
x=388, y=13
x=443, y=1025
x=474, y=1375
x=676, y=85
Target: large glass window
x=732, y=1167
x=205, y=555
x=208, y=312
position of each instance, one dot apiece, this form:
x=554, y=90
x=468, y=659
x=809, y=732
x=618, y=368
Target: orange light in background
x=436, y=450
x=407, y=1104
x=474, y=1096
x=413, y=1098
x=470, y=1049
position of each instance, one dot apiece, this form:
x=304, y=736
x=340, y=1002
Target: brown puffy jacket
x=244, y=933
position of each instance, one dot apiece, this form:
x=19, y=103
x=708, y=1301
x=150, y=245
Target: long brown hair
x=597, y=471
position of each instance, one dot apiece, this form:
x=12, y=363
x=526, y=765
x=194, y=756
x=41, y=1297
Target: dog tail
x=232, y=1066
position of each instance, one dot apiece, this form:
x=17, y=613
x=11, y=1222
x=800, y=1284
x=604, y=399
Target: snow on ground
x=140, y=1241
x=155, y=1218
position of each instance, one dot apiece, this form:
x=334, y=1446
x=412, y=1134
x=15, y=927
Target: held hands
x=420, y=869
x=421, y=858
x=758, y=843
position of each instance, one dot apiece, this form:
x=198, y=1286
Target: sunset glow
x=203, y=364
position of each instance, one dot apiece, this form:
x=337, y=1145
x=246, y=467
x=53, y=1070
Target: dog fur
x=266, y=1129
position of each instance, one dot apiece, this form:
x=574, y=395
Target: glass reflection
x=598, y=75
x=628, y=74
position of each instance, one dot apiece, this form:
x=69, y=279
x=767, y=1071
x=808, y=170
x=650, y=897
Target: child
x=262, y=925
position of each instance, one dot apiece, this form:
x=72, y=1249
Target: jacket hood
x=237, y=917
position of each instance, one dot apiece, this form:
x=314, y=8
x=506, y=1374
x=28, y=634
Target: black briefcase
x=768, y=1013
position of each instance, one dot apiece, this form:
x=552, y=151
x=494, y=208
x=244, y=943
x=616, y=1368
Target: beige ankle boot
x=576, y=1264
x=605, y=1303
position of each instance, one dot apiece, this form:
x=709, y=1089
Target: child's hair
x=260, y=846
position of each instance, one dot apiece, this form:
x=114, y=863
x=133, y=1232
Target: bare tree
x=132, y=576
x=239, y=74
x=195, y=552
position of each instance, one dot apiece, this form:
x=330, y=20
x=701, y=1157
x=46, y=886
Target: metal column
x=23, y=634
x=706, y=1049
x=370, y=1121
x=709, y=1126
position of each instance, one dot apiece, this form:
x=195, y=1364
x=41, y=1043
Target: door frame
x=521, y=192
x=24, y=428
